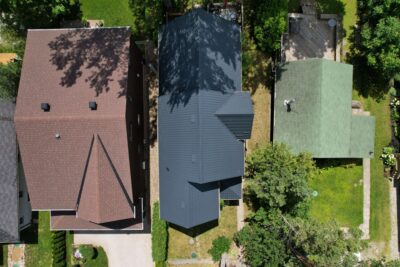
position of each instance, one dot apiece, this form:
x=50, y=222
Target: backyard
x=347, y=207
x=182, y=244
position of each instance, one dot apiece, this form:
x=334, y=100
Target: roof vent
x=45, y=107
x=288, y=104
x=93, y=105
x=58, y=136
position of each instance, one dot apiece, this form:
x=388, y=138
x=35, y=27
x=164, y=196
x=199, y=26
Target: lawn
x=345, y=207
x=380, y=202
x=113, y=12
x=180, y=248
x=38, y=253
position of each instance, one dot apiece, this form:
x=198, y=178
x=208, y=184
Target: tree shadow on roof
x=198, y=51
x=99, y=55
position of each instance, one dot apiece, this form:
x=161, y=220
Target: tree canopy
x=377, y=38
x=280, y=240
x=278, y=179
x=267, y=21
x=148, y=17
x=21, y=15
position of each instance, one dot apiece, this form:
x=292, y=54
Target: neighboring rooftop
x=9, y=225
x=71, y=122
x=312, y=111
x=202, y=115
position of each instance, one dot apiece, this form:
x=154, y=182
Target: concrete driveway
x=123, y=250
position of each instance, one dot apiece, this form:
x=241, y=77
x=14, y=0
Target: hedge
x=159, y=236
x=58, y=247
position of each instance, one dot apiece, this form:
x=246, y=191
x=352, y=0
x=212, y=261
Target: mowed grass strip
x=340, y=196
x=113, y=12
x=40, y=254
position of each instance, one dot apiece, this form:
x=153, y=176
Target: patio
x=311, y=37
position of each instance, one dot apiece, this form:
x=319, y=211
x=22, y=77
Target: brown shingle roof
x=68, y=68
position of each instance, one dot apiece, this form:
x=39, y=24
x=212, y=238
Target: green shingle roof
x=320, y=120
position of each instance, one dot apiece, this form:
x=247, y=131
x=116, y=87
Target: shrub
x=220, y=245
x=88, y=252
x=159, y=236
x=388, y=157
x=58, y=246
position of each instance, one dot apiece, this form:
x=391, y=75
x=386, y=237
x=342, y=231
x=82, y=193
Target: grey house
x=15, y=211
x=203, y=117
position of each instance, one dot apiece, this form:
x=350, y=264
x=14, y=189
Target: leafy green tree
x=220, y=245
x=24, y=14
x=147, y=18
x=377, y=38
x=268, y=21
x=263, y=240
x=9, y=79
x=277, y=179
x=273, y=239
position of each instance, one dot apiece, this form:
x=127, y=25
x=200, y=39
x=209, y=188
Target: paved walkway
x=240, y=215
x=16, y=255
x=394, y=238
x=123, y=250
x=366, y=199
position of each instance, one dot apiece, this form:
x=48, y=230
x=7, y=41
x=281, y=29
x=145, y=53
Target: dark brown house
x=78, y=127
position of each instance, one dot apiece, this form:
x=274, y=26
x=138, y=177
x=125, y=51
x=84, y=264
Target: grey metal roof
x=198, y=126
x=231, y=189
x=9, y=229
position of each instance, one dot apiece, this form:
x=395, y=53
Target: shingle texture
x=319, y=119
x=199, y=127
x=9, y=229
x=75, y=157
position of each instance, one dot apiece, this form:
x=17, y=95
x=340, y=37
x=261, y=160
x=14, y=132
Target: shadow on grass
x=30, y=235
x=197, y=230
x=346, y=163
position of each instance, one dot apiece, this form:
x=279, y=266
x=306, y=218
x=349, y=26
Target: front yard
x=182, y=245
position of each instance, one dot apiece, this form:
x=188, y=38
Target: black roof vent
x=93, y=105
x=45, y=107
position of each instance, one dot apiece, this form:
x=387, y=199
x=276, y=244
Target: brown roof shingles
x=68, y=68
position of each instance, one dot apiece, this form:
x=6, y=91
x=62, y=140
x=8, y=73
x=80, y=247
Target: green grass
x=380, y=202
x=69, y=244
x=340, y=196
x=38, y=255
x=113, y=12
x=179, y=247
x=349, y=20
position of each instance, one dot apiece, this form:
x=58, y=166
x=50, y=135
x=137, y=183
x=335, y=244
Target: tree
x=9, y=79
x=147, y=18
x=220, y=245
x=277, y=179
x=273, y=239
x=268, y=21
x=377, y=38
x=24, y=14
x=262, y=240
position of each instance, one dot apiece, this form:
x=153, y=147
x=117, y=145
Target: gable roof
x=320, y=120
x=68, y=68
x=9, y=226
x=198, y=127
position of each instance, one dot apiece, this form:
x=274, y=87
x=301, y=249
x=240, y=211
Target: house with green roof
x=313, y=111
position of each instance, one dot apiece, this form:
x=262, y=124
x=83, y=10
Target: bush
x=220, y=245
x=88, y=252
x=159, y=236
x=58, y=246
